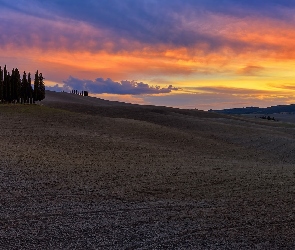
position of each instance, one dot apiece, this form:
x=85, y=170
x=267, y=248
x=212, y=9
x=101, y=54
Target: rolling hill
x=82, y=172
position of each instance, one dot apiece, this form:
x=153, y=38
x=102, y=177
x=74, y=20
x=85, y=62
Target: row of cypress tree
x=14, y=89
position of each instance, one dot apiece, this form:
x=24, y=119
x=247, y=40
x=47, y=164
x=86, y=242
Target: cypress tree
x=1, y=84
x=5, y=84
x=13, y=85
x=29, y=89
x=41, y=87
x=36, y=87
x=24, y=88
x=14, y=89
x=9, y=83
x=17, y=86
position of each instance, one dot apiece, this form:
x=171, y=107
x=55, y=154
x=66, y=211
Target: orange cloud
x=250, y=70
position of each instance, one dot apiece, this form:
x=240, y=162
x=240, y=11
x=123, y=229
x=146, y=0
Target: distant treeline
x=256, y=110
x=267, y=118
x=76, y=92
x=17, y=89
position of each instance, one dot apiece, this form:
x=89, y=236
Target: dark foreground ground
x=83, y=173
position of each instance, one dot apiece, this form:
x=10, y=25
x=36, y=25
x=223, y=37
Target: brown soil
x=83, y=173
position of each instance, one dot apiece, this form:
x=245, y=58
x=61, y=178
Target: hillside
x=85, y=173
x=256, y=110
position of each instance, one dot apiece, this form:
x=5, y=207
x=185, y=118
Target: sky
x=203, y=54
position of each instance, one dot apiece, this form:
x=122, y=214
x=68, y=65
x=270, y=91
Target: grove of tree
x=17, y=89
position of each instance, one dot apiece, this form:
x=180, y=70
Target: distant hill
x=257, y=110
x=98, y=106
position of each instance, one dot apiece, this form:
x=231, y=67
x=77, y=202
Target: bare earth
x=83, y=173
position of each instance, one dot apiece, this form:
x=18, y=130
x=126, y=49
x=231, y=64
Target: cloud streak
x=128, y=25
x=251, y=70
x=223, y=90
x=108, y=86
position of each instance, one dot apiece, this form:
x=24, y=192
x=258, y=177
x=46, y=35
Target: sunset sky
x=183, y=53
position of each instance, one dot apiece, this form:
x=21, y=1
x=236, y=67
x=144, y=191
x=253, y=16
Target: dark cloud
x=108, y=86
x=148, y=14
x=23, y=31
x=148, y=22
x=58, y=88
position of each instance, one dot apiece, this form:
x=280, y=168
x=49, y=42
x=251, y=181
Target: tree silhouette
x=24, y=84
x=36, y=86
x=41, y=87
x=5, y=84
x=13, y=89
x=1, y=84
